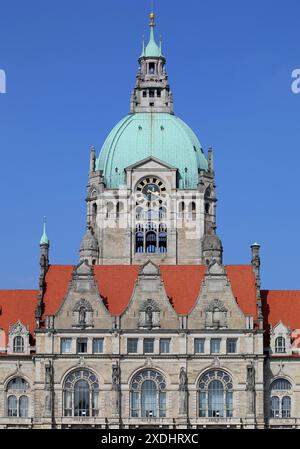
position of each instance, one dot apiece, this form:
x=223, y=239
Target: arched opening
x=148, y=395
x=151, y=242
x=215, y=395
x=81, y=394
x=139, y=242
x=162, y=243
x=17, y=401
x=109, y=210
x=119, y=209
x=280, y=399
x=94, y=214
x=181, y=209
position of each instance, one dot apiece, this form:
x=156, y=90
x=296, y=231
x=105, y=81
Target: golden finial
x=152, y=17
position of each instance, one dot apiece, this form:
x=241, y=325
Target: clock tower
x=151, y=191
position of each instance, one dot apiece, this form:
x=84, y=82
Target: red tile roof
x=17, y=305
x=281, y=305
x=57, y=283
x=242, y=281
x=116, y=284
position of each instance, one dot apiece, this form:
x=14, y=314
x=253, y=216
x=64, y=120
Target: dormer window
x=18, y=344
x=280, y=345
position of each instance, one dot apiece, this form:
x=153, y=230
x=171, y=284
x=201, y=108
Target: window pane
x=164, y=345
x=216, y=399
x=229, y=404
x=17, y=384
x=18, y=344
x=215, y=345
x=97, y=345
x=275, y=407
x=132, y=345
x=134, y=404
x=23, y=406
x=12, y=406
x=82, y=398
x=281, y=384
x=286, y=407
x=66, y=345
x=148, y=345
x=280, y=344
x=82, y=345
x=68, y=403
x=199, y=345
x=162, y=404
x=231, y=345
x=149, y=398
x=202, y=404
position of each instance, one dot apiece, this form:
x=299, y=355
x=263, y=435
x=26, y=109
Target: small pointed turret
x=210, y=160
x=92, y=159
x=44, y=239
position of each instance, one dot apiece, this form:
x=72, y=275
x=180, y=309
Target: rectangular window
x=97, y=345
x=158, y=93
x=66, y=344
x=81, y=345
x=132, y=345
x=199, y=345
x=144, y=93
x=231, y=345
x=151, y=93
x=148, y=345
x=215, y=345
x=164, y=345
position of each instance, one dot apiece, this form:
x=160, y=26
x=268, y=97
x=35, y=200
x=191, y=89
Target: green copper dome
x=161, y=135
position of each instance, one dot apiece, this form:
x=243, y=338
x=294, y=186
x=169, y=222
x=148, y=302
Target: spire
x=44, y=239
x=152, y=91
x=152, y=49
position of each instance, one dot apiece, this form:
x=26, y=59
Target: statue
x=182, y=379
x=116, y=388
x=49, y=373
x=251, y=388
x=149, y=316
x=183, y=392
x=82, y=316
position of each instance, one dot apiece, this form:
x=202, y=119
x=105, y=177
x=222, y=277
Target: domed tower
x=151, y=190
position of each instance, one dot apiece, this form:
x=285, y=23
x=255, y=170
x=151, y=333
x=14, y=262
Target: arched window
x=81, y=394
x=23, y=406
x=17, y=402
x=181, y=208
x=94, y=213
x=119, y=209
x=162, y=243
x=151, y=242
x=286, y=407
x=148, y=395
x=192, y=210
x=18, y=344
x=162, y=213
x=280, y=344
x=215, y=395
x=12, y=406
x=280, y=402
x=109, y=210
x=139, y=215
x=275, y=409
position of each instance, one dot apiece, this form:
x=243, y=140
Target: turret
x=44, y=266
x=152, y=91
x=255, y=261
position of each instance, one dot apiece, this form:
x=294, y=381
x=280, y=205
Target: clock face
x=151, y=192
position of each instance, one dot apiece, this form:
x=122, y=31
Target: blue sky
x=71, y=66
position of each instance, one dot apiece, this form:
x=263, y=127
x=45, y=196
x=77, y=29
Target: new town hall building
x=150, y=329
